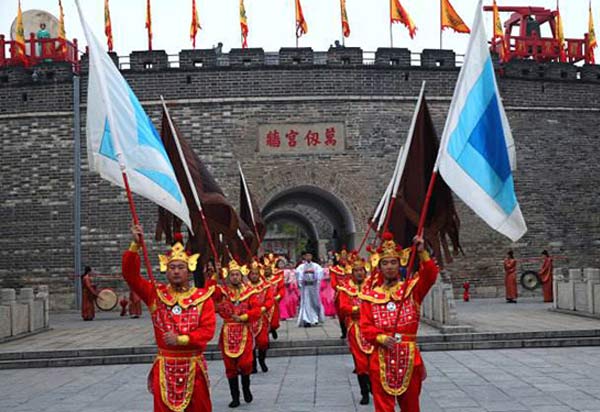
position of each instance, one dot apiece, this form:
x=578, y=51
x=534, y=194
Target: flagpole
x=391, y=35
x=441, y=29
x=190, y=181
x=377, y=211
x=342, y=18
x=241, y=237
x=136, y=221
x=404, y=156
x=258, y=238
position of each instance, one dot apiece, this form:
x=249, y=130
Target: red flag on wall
x=398, y=14
x=149, y=24
x=195, y=26
x=108, y=26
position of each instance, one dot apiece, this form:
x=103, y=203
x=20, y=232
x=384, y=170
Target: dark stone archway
x=322, y=215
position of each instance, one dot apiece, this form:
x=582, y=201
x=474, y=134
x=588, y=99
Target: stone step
x=93, y=357
x=462, y=341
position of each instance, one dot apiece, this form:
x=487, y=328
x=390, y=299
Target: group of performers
x=378, y=305
x=544, y=275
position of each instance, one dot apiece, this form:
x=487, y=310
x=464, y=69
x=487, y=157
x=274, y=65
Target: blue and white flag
x=121, y=136
x=477, y=153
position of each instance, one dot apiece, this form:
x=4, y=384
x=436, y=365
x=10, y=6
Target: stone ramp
x=113, y=340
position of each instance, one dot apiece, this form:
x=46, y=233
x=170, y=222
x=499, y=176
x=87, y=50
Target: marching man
x=389, y=319
x=275, y=277
x=261, y=326
x=349, y=304
x=184, y=322
x=237, y=305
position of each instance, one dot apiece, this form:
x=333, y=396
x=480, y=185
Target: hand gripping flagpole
x=190, y=181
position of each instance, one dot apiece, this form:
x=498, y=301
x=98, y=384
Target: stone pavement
x=528, y=315
x=518, y=380
x=111, y=331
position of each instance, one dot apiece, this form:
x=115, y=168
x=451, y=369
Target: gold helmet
x=178, y=252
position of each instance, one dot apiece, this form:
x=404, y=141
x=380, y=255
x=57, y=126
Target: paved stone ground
x=528, y=315
x=518, y=380
x=111, y=331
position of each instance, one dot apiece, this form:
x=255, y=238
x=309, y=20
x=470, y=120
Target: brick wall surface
x=219, y=109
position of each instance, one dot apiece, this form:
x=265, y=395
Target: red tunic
x=395, y=312
x=88, y=298
x=179, y=376
x=261, y=326
x=338, y=278
x=510, y=278
x=546, y=278
x=277, y=281
x=236, y=341
x=360, y=348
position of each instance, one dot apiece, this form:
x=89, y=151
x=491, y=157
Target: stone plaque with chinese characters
x=301, y=138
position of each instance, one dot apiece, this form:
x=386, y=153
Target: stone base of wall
x=577, y=291
x=63, y=301
x=438, y=309
x=23, y=311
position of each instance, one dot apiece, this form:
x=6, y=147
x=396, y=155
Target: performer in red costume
x=260, y=327
x=389, y=319
x=350, y=312
x=237, y=305
x=275, y=277
x=88, y=295
x=510, y=277
x=338, y=276
x=546, y=276
x=184, y=322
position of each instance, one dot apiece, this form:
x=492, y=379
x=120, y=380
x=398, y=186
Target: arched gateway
x=323, y=216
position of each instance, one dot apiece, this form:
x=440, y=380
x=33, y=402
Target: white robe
x=311, y=309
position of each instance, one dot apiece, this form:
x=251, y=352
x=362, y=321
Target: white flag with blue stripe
x=121, y=136
x=477, y=154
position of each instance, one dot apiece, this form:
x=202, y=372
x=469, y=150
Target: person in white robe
x=309, y=275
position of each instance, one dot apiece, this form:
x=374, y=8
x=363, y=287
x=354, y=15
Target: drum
x=530, y=280
x=107, y=299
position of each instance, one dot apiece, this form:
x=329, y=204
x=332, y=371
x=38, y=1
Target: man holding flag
x=124, y=148
x=476, y=159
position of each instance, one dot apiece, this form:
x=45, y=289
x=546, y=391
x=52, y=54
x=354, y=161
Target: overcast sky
x=272, y=22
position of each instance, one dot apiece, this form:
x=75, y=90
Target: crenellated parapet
x=152, y=61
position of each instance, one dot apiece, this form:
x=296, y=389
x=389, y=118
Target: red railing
x=543, y=49
x=38, y=51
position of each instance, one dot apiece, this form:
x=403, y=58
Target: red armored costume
x=237, y=304
x=392, y=310
x=275, y=277
x=261, y=327
x=338, y=276
x=179, y=376
x=350, y=304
